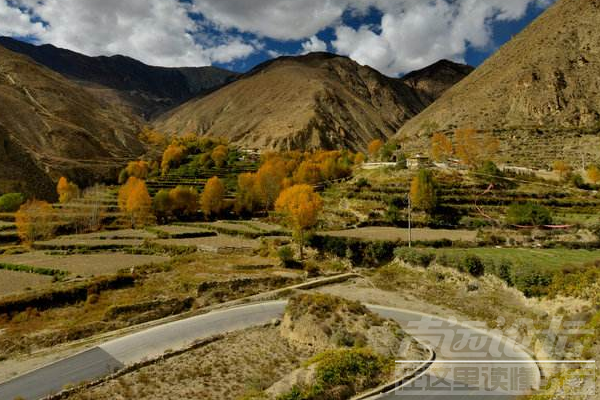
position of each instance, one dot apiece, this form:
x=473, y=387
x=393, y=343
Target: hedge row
x=64, y=296
x=34, y=270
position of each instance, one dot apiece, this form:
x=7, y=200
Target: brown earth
x=314, y=101
x=539, y=93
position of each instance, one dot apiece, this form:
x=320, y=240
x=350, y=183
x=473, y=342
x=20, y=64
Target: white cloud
x=412, y=33
x=313, y=44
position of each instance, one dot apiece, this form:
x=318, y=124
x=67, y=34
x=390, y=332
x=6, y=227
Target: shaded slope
x=50, y=126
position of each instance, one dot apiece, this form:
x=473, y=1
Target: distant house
x=418, y=162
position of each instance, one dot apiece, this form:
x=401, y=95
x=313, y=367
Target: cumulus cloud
x=410, y=35
x=313, y=44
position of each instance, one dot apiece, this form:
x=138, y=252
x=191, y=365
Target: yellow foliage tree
x=183, y=201
x=441, y=147
x=212, y=198
x=302, y=206
x=219, y=155
x=374, y=147
x=593, y=174
x=66, y=190
x=269, y=181
x=473, y=149
x=139, y=169
x=246, y=195
x=135, y=202
x=359, y=158
x=35, y=220
x=562, y=168
x=173, y=155
x=422, y=191
x=308, y=172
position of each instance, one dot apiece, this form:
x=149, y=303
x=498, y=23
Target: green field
x=547, y=260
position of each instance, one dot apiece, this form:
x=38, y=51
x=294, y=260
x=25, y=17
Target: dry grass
x=241, y=363
x=118, y=234
x=13, y=281
x=175, y=230
x=397, y=234
x=83, y=264
x=68, y=242
x=215, y=244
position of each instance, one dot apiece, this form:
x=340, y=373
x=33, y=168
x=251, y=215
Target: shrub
x=528, y=214
x=362, y=183
x=286, y=255
x=420, y=258
x=10, y=202
x=473, y=265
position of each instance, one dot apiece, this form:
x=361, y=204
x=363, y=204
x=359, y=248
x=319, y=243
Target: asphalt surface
x=113, y=355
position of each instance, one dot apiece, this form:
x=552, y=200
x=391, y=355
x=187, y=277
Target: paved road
x=113, y=355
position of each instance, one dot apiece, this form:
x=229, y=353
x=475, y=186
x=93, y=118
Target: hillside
x=313, y=101
x=50, y=126
x=540, y=92
x=147, y=89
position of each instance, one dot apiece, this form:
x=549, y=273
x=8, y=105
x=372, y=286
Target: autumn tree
x=172, y=156
x=135, y=202
x=422, y=192
x=247, y=200
x=212, y=198
x=35, y=220
x=473, y=149
x=301, y=205
x=161, y=205
x=66, y=190
x=269, y=181
x=359, y=158
x=184, y=201
x=219, y=155
x=139, y=169
x=153, y=137
x=441, y=147
x=562, y=169
x=308, y=172
x=374, y=147
x=593, y=174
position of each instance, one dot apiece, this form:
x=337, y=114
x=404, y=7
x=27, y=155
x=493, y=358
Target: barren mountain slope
x=148, y=90
x=314, y=101
x=540, y=92
x=50, y=126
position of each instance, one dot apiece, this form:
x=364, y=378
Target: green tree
x=10, y=202
x=423, y=192
x=528, y=214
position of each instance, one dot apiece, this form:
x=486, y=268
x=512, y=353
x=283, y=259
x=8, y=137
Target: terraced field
x=15, y=281
x=401, y=234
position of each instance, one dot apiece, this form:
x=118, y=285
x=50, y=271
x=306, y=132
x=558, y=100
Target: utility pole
x=409, y=222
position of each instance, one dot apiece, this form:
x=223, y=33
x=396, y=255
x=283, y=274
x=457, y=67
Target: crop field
x=119, y=234
x=83, y=264
x=89, y=244
x=175, y=231
x=548, y=260
x=401, y=234
x=215, y=244
x=245, y=228
x=15, y=281
x=4, y=226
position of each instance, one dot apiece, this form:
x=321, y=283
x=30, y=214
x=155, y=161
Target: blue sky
x=393, y=36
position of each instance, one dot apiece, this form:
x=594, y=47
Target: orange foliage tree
x=66, y=190
x=359, y=158
x=562, y=168
x=35, y=220
x=172, y=156
x=308, y=172
x=302, y=206
x=219, y=155
x=135, y=202
x=441, y=147
x=212, y=198
x=474, y=149
x=374, y=147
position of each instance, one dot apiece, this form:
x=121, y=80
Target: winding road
x=113, y=355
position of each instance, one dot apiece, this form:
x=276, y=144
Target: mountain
x=148, y=90
x=540, y=93
x=432, y=81
x=314, y=101
x=50, y=126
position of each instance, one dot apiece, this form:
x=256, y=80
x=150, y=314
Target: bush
x=286, y=255
x=420, y=258
x=528, y=214
x=10, y=202
x=362, y=183
x=473, y=265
